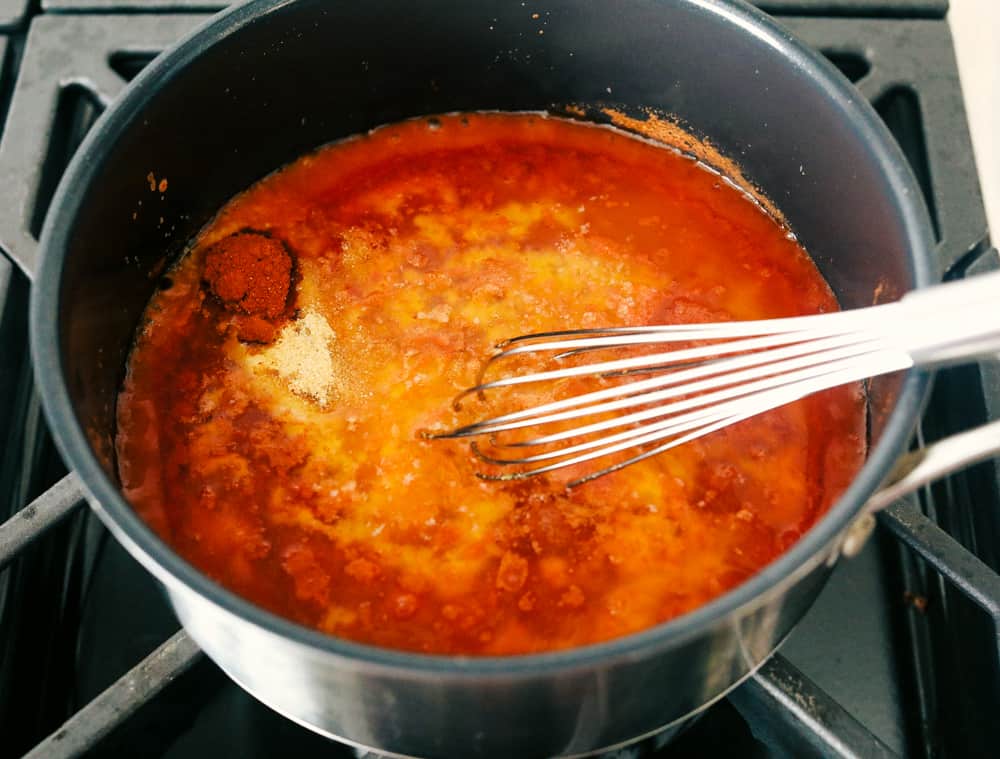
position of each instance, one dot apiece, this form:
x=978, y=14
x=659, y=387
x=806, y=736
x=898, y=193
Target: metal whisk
x=721, y=374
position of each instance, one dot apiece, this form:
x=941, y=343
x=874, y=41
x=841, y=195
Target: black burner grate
x=893, y=642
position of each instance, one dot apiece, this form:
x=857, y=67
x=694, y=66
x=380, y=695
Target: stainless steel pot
x=267, y=81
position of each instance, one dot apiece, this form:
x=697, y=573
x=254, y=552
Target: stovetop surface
x=888, y=644
x=909, y=8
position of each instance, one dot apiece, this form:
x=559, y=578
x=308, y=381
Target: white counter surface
x=975, y=25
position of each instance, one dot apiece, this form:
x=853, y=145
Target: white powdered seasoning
x=302, y=357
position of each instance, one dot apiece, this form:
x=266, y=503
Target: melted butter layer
x=292, y=472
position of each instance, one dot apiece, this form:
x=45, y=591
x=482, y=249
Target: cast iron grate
x=788, y=713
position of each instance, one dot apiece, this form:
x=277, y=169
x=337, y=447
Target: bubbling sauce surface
x=273, y=442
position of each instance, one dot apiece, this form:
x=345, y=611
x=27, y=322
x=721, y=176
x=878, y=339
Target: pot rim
x=158, y=557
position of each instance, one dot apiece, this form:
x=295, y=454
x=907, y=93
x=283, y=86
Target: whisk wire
x=695, y=424
x=734, y=371
x=680, y=382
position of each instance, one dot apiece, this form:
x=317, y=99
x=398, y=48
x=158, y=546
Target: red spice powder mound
x=250, y=273
x=255, y=329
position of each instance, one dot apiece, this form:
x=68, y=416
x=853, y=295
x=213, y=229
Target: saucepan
x=259, y=85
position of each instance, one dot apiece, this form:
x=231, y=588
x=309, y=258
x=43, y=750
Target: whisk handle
x=946, y=324
x=952, y=322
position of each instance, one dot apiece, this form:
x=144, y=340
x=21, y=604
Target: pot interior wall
x=305, y=73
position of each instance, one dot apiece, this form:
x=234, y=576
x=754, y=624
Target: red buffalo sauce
x=282, y=456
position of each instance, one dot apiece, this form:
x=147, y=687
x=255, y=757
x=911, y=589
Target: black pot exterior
x=265, y=82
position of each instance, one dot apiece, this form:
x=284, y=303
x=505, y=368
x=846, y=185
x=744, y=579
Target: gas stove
x=898, y=657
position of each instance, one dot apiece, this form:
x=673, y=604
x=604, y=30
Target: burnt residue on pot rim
x=161, y=560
